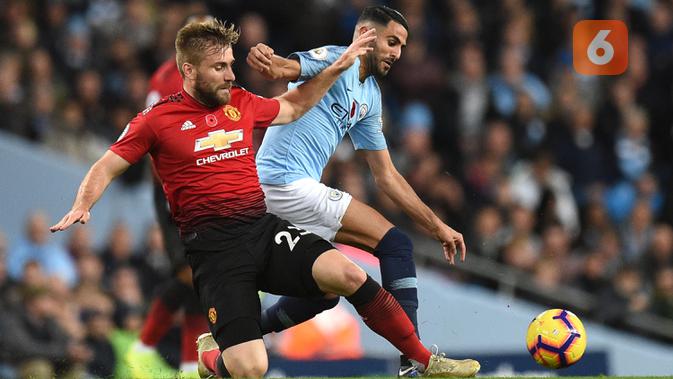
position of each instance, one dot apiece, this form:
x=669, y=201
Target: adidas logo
x=188, y=125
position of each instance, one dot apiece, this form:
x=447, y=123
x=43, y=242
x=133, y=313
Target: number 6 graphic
x=600, y=47
x=600, y=42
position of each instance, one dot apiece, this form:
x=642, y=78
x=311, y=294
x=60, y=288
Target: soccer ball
x=556, y=338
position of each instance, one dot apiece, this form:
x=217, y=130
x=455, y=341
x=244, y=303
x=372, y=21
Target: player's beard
x=376, y=65
x=209, y=94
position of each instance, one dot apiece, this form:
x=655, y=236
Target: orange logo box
x=600, y=47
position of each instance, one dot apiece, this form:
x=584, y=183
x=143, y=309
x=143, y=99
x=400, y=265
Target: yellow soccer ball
x=556, y=338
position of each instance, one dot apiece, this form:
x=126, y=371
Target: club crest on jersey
x=218, y=140
x=335, y=195
x=212, y=315
x=232, y=113
x=211, y=120
x=319, y=53
x=363, y=111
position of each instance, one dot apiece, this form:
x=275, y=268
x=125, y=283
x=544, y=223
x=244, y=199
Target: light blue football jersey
x=302, y=148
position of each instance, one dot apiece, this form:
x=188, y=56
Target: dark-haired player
x=291, y=159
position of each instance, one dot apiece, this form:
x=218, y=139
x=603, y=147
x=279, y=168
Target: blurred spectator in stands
x=595, y=222
x=79, y=242
x=419, y=75
x=530, y=130
x=546, y=275
x=118, y=252
x=557, y=247
x=76, y=53
x=512, y=78
x=469, y=83
x=521, y=224
x=90, y=270
x=152, y=263
x=99, y=328
x=125, y=288
x=38, y=345
x=416, y=127
x=540, y=184
x=464, y=25
x=660, y=53
x=622, y=197
x=489, y=233
x=522, y=254
x=632, y=145
x=662, y=297
x=12, y=95
x=498, y=143
x=578, y=150
x=89, y=92
x=137, y=23
x=35, y=246
x=637, y=232
x=621, y=99
x=254, y=30
x=72, y=137
x=594, y=276
x=9, y=295
x=659, y=252
x=624, y=296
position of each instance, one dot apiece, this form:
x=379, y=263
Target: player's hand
x=259, y=59
x=452, y=241
x=362, y=45
x=76, y=215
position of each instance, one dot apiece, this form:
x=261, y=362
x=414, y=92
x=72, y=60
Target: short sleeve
x=367, y=134
x=266, y=110
x=135, y=141
x=312, y=62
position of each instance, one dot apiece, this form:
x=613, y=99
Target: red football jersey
x=203, y=156
x=165, y=81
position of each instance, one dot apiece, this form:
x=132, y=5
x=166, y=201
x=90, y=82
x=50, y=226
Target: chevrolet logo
x=218, y=140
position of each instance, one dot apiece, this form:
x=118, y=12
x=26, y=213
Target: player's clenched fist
x=260, y=59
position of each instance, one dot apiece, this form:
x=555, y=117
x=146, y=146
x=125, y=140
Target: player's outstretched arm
x=261, y=58
x=393, y=184
x=296, y=102
x=108, y=167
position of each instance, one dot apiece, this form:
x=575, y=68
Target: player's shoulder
x=164, y=105
x=325, y=52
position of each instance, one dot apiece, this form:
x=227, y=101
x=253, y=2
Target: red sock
x=384, y=315
x=193, y=325
x=210, y=359
x=159, y=320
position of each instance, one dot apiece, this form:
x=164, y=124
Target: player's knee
x=353, y=277
x=251, y=366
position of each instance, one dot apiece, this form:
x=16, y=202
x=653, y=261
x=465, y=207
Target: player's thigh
x=290, y=254
x=309, y=204
x=362, y=226
x=226, y=284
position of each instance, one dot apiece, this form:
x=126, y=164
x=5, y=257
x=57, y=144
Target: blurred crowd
x=562, y=176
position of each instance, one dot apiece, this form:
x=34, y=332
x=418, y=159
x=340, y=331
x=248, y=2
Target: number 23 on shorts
x=600, y=47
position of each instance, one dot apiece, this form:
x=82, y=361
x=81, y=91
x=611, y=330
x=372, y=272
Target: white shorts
x=308, y=204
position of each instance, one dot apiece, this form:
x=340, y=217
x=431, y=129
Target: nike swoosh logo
x=404, y=371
